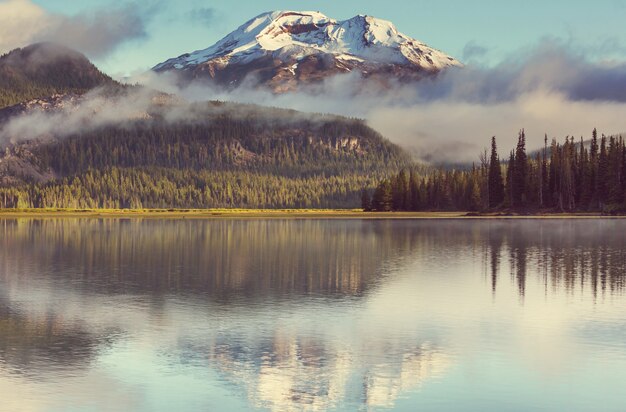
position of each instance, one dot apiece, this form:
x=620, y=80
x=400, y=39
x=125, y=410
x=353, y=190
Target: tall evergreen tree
x=593, y=170
x=399, y=191
x=366, y=204
x=414, y=192
x=496, y=186
x=520, y=172
x=603, y=174
x=545, y=184
x=509, y=188
x=382, y=198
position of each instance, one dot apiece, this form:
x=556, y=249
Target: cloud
x=204, y=16
x=473, y=51
x=550, y=66
x=96, y=33
x=64, y=115
x=96, y=109
x=454, y=131
x=551, y=88
x=19, y=19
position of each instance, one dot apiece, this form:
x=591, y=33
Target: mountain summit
x=283, y=49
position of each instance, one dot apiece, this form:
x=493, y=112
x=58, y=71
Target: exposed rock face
x=18, y=163
x=285, y=49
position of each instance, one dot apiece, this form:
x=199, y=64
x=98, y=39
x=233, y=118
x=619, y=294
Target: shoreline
x=278, y=214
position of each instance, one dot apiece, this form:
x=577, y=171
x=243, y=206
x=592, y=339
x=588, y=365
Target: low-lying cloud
x=64, y=115
x=96, y=33
x=551, y=89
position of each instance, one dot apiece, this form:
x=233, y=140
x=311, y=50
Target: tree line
x=583, y=176
x=163, y=188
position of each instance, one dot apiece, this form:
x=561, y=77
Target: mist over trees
x=562, y=177
x=45, y=69
x=225, y=162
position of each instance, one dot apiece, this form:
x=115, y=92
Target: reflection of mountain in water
x=289, y=372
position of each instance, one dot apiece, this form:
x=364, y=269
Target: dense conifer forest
x=271, y=159
x=562, y=177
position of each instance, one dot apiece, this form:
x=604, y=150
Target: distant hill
x=44, y=69
x=224, y=155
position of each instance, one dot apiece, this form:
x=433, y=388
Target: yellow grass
x=272, y=213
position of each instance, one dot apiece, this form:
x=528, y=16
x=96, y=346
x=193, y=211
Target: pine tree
x=415, y=203
x=400, y=189
x=593, y=170
x=614, y=189
x=520, y=172
x=366, y=205
x=509, y=188
x=603, y=175
x=382, y=199
x=496, y=186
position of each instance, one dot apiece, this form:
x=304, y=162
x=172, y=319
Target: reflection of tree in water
x=565, y=255
x=496, y=242
x=253, y=258
x=222, y=258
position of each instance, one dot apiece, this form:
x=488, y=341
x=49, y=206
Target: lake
x=308, y=315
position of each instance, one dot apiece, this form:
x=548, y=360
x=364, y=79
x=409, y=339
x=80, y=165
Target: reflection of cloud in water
x=292, y=373
x=388, y=382
x=46, y=342
x=301, y=315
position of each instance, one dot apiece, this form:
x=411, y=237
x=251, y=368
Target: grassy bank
x=274, y=213
x=221, y=213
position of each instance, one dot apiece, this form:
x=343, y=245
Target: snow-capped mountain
x=283, y=49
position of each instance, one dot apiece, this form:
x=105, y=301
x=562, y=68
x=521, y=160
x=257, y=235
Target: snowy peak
x=290, y=37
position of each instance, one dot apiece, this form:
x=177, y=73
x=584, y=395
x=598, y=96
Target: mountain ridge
x=282, y=49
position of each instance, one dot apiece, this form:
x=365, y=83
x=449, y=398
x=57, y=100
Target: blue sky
x=479, y=31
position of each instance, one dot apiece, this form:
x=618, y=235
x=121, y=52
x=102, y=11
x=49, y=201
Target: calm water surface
x=306, y=315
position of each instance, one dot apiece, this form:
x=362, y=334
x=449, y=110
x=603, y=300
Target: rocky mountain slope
x=285, y=49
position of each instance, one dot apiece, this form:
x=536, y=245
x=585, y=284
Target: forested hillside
x=44, y=69
x=227, y=156
x=123, y=146
x=563, y=177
